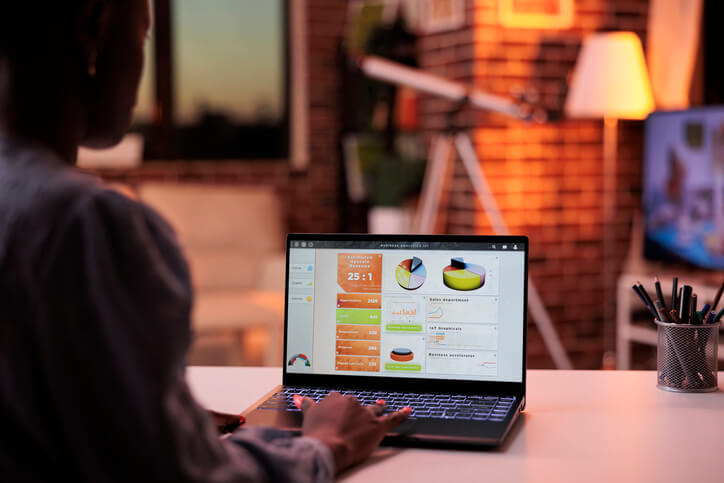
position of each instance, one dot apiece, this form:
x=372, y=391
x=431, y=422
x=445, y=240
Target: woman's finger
x=303, y=403
x=307, y=403
x=389, y=421
x=378, y=408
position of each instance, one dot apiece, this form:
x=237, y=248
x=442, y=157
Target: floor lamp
x=610, y=81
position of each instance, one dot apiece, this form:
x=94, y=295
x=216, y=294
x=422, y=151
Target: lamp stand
x=610, y=145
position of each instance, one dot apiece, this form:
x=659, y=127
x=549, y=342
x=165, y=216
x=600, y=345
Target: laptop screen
x=435, y=310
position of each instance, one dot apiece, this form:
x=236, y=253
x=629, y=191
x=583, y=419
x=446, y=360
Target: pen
x=684, y=302
x=719, y=315
x=646, y=304
x=674, y=288
x=717, y=297
x=674, y=316
x=692, y=309
x=659, y=293
x=704, y=311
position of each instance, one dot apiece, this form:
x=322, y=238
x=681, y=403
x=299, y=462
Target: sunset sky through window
x=228, y=59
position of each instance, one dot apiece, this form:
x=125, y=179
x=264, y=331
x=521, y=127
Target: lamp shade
x=610, y=79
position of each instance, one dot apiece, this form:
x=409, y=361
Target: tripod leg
x=480, y=184
x=485, y=195
x=436, y=174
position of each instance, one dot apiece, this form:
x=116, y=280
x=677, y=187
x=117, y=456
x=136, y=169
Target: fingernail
x=298, y=401
x=381, y=401
x=406, y=409
x=242, y=419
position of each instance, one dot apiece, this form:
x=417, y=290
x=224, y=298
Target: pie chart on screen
x=460, y=275
x=411, y=273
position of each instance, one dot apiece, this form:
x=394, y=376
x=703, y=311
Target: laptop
x=433, y=322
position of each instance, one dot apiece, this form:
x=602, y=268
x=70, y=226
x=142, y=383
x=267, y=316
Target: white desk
x=580, y=426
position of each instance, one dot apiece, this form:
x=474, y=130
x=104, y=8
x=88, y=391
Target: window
x=216, y=84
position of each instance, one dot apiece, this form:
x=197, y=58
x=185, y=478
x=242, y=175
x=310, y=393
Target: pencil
x=674, y=316
x=663, y=316
x=645, y=294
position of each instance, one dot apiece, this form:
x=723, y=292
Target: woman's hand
x=350, y=430
x=226, y=423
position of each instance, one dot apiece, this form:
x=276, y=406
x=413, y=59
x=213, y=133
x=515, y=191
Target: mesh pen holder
x=687, y=357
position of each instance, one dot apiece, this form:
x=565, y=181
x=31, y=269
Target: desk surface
x=608, y=426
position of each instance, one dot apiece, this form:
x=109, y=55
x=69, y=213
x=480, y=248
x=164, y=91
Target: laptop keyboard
x=428, y=405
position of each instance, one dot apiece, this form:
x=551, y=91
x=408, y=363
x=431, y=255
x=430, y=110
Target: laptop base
x=415, y=432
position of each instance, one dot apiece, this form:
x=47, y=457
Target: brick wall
x=311, y=196
x=547, y=178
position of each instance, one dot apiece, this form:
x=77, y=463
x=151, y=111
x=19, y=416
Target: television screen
x=683, y=196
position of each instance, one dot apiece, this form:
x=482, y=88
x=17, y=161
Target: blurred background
x=257, y=118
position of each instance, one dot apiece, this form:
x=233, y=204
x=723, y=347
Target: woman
x=95, y=292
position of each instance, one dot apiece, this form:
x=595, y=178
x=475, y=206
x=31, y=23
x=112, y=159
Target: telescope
x=385, y=70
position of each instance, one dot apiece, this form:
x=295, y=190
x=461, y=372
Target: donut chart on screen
x=411, y=273
x=300, y=357
x=460, y=275
x=402, y=354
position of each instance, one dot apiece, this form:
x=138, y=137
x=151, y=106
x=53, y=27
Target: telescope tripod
x=438, y=176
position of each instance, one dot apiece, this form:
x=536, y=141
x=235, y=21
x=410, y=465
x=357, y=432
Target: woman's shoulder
x=40, y=198
x=36, y=186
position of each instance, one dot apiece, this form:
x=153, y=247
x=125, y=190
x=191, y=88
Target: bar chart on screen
x=403, y=309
